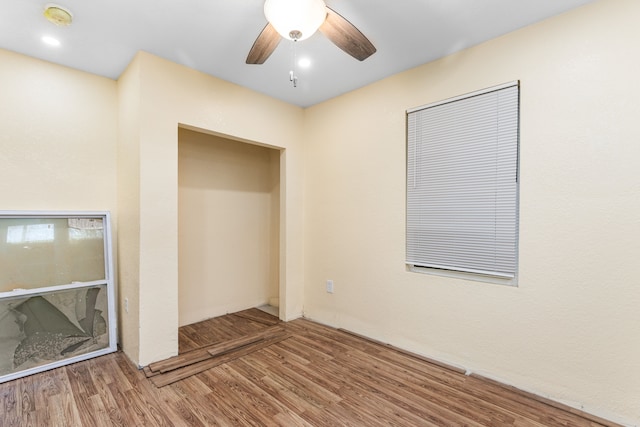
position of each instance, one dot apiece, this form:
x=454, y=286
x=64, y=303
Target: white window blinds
x=462, y=183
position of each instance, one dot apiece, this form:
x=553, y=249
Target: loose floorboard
x=208, y=351
x=316, y=376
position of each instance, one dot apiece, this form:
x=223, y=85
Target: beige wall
x=228, y=192
x=129, y=209
x=571, y=330
x=162, y=97
x=58, y=137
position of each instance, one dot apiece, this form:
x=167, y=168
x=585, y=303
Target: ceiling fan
x=299, y=19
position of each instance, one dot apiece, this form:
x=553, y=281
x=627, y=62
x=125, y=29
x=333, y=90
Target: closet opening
x=228, y=227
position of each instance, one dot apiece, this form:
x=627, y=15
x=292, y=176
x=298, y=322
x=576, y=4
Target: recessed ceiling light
x=58, y=15
x=304, y=62
x=51, y=41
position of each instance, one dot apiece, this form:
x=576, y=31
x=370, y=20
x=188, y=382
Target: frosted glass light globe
x=295, y=16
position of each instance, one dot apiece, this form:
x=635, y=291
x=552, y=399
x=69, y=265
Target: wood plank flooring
x=317, y=376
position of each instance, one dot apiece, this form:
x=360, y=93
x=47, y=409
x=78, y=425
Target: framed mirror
x=57, y=296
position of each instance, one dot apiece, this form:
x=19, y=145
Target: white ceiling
x=214, y=36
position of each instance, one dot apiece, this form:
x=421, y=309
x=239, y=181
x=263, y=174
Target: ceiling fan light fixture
x=295, y=19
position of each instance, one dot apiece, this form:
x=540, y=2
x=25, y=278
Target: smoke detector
x=58, y=15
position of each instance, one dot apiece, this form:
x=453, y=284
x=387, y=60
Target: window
x=57, y=294
x=462, y=184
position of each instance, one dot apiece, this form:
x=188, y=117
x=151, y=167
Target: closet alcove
x=228, y=226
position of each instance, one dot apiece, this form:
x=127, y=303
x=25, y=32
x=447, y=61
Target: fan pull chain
x=293, y=78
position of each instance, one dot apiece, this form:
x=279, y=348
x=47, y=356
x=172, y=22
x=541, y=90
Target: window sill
x=512, y=281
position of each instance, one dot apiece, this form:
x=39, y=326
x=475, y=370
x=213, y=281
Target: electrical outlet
x=330, y=286
x=126, y=305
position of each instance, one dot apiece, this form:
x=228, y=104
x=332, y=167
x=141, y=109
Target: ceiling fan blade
x=346, y=36
x=264, y=45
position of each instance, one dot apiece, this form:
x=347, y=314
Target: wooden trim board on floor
x=196, y=368
x=207, y=352
x=195, y=361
